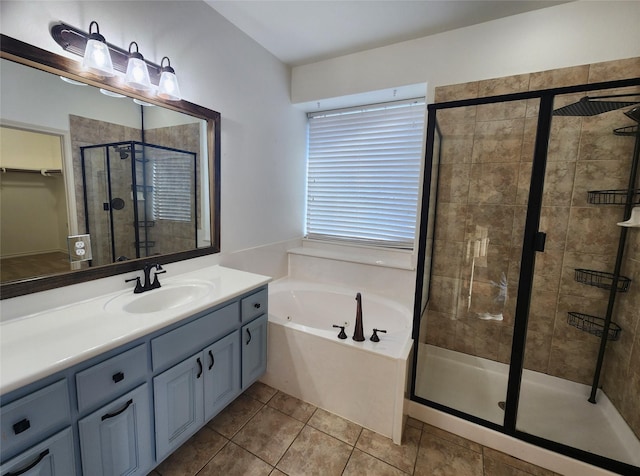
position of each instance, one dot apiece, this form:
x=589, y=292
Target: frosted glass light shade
x=137, y=74
x=168, y=87
x=97, y=58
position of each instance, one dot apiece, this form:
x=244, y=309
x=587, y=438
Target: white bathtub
x=361, y=381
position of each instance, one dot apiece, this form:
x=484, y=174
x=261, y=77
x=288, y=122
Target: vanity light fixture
x=168, y=87
x=130, y=64
x=96, y=54
x=137, y=75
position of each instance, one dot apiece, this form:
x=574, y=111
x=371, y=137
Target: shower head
x=591, y=107
x=634, y=114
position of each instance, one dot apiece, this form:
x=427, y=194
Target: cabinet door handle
x=199, y=368
x=213, y=361
x=22, y=425
x=257, y=305
x=249, y=336
x=115, y=414
x=40, y=457
x=118, y=377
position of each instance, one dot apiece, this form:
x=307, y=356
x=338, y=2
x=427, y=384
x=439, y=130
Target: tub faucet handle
x=374, y=337
x=341, y=334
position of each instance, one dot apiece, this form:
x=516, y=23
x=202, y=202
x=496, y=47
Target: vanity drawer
x=180, y=343
x=34, y=417
x=254, y=305
x=105, y=381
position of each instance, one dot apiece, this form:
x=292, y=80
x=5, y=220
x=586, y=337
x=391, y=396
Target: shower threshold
x=550, y=407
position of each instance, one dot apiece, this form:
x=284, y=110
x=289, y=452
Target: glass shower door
x=466, y=334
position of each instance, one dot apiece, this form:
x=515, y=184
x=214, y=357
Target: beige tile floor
x=266, y=432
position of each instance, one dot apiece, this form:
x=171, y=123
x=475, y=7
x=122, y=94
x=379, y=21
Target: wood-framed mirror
x=108, y=183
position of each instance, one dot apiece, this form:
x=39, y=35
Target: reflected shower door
x=467, y=328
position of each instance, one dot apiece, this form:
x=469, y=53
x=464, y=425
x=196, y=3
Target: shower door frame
x=532, y=242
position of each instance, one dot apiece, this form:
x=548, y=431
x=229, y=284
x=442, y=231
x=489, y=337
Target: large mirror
x=126, y=176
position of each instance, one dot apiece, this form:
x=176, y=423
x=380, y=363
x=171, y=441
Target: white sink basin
x=169, y=296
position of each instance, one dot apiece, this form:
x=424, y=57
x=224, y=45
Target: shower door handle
x=539, y=241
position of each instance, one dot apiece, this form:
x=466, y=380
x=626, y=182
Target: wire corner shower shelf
x=601, y=279
x=593, y=325
x=613, y=197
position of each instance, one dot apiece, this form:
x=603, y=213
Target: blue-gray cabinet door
x=116, y=439
x=52, y=457
x=178, y=407
x=254, y=350
x=222, y=374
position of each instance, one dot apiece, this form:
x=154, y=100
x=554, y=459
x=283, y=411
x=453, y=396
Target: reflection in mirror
x=77, y=159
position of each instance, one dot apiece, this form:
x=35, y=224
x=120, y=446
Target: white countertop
x=38, y=345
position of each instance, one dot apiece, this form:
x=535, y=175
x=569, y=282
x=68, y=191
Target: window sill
x=397, y=259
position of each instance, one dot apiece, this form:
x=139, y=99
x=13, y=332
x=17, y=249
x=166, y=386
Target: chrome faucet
x=148, y=284
x=358, y=332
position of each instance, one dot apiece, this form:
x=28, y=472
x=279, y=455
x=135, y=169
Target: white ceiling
x=304, y=31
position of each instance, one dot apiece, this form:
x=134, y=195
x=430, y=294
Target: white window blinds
x=173, y=189
x=363, y=173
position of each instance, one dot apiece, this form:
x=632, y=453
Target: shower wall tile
x=444, y=294
x=613, y=70
x=547, y=271
x=497, y=219
x=452, y=221
x=564, y=141
x=554, y=221
x=529, y=134
x=498, y=141
x=501, y=111
x=456, y=92
x=592, y=231
x=448, y=258
x=542, y=314
x=537, y=351
x=558, y=184
x=459, y=115
x=524, y=183
x=458, y=146
x=454, y=183
x=507, y=85
x=440, y=329
x=557, y=78
x=494, y=183
x=606, y=146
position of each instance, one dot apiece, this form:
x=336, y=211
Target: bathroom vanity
x=107, y=387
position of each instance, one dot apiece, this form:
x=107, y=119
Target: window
x=173, y=188
x=363, y=173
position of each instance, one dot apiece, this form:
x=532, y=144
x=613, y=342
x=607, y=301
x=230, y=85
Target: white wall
x=570, y=34
x=263, y=136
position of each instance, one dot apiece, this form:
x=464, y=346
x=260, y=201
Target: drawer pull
x=257, y=305
x=249, y=336
x=22, y=425
x=199, y=368
x=213, y=361
x=111, y=415
x=40, y=457
x=118, y=377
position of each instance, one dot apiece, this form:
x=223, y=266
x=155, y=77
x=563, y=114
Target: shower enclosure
x=139, y=200
x=528, y=290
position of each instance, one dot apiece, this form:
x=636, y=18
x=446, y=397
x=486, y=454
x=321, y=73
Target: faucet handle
x=138, y=289
x=374, y=337
x=341, y=334
x=156, y=282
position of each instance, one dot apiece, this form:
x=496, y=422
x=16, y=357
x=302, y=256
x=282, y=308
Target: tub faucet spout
x=358, y=332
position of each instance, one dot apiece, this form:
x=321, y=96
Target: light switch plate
x=79, y=247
